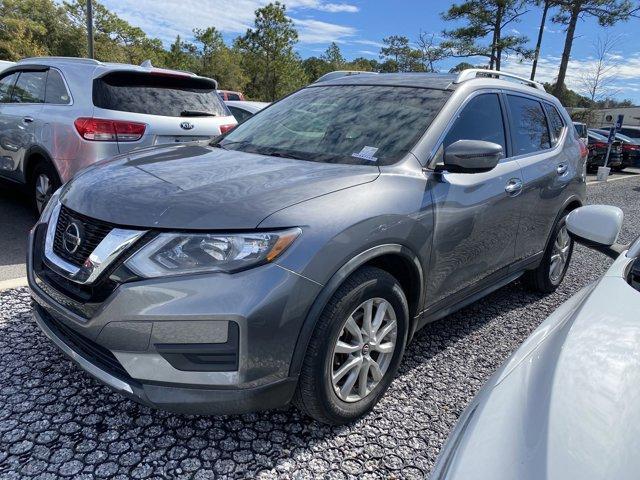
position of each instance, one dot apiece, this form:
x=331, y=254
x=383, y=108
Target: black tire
x=539, y=280
x=315, y=394
x=43, y=168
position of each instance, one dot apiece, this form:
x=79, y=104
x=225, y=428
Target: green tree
x=606, y=12
x=399, y=56
x=485, y=19
x=37, y=27
x=217, y=60
x=315, y=67
x=115, y=39
x=180, y=55
x=272, y=67
x=364, y=64
x=333, y=57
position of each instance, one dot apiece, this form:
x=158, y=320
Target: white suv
x=58, y=115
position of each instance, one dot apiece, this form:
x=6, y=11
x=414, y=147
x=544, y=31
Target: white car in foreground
x=566, y=405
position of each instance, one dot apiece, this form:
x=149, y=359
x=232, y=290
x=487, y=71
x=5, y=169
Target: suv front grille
x=92, y=233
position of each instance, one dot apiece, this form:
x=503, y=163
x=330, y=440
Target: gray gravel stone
x=56, y=420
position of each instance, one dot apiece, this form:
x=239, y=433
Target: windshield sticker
x=367, y=153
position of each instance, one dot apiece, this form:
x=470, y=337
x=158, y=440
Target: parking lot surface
x=55, y=420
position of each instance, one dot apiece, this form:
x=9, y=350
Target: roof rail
x=89, y=61
x=472, y=73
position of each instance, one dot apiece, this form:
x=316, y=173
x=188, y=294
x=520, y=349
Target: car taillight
x=103, y=130
x=226, y=128
x=600, y=145
x=584, y=150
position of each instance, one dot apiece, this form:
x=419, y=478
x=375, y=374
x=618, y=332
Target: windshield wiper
x=197, y=113
x=282, y=155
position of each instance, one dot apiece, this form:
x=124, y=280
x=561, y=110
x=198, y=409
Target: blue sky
x=359, y=26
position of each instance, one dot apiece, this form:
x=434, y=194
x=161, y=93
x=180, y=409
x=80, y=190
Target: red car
x=231, y=95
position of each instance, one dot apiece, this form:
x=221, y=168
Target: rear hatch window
x=158, y=94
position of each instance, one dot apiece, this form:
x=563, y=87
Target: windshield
x=626, y=139
x=598, y=137
x=355, y=124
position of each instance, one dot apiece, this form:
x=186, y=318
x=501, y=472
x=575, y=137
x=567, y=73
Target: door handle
x=513, y=186
x=27, y=120
x=562, y=169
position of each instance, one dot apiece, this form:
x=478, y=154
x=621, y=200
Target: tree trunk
x=568, y=43
x=496, y=48
x=536, y=55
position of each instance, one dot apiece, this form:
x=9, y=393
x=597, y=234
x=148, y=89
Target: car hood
x=192, y=186
x=567, y=404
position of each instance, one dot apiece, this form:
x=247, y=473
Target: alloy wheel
x=43, y=191
x=559, y=255
x=364, y=349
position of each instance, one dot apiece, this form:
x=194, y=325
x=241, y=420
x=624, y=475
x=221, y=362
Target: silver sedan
x=567, y=403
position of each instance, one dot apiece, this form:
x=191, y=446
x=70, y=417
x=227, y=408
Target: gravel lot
x=55, y=420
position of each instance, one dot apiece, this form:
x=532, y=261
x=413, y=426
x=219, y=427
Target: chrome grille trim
x=105, y=253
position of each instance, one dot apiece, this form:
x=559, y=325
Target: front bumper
x=160, y=341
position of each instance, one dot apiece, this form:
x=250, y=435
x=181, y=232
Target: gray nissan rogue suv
x=293, y=258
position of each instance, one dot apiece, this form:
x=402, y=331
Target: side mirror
x=597, y=227
x=472, y=156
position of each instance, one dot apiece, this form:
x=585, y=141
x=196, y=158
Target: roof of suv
x=441, y=81
x=98, y=67
x=424, y=80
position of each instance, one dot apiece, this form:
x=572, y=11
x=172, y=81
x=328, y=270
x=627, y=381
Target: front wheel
x=555, y=262
x=355, y=349
x=44, y=183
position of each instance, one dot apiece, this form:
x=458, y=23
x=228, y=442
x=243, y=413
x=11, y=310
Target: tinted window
x=581, y=129
x=157, y=94
x=481, y=119
x=555, y=122
x=29, y=88
x=241, y=115
x=529, y=125
x=631, y=132
x=56, y=92
x=6, y=85
x=233, y=96
x=357, y=124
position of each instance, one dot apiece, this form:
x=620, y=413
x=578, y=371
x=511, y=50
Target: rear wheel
x=355, y=349
x=555, y=262
x=44, y=182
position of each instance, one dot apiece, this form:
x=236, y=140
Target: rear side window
x=233, y=96
x=29, y=88
x=555, y=123
x=56, y=92
x=241, y=115
x=480, y=119
x=157, y=94
x=529, y=125
x=6, y=86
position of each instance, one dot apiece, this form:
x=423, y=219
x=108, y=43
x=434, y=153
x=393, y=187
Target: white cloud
x=371, y=43
x=626, y=77
x=338, y=7
x=165, y=19
x=315, y=31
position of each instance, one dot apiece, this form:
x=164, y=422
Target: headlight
x=48, y=208
x=181, y=253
